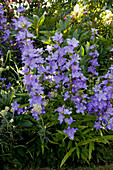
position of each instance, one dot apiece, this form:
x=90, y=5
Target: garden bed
x=56, y=84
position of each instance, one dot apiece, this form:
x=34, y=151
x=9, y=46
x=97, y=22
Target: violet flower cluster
x=94, y=61
x=61, y=71
x=15, y=107
x=61, y=68
x=6, y=37
x=31, y=59
x=4, y=29
x=100, y=103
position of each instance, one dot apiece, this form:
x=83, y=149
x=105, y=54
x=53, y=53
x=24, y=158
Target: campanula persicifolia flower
x=70, y=132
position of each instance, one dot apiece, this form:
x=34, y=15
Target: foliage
x=56, y=83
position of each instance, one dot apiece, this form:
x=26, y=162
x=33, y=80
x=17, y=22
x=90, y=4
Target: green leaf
x=82, y=51
x=22, y=94
x=26, y=123
x=101, y=37
x=85, y=60
x=62, y=133
x=87, y=47
x=85, y=158
x=108, y=137
x=87, y=141
x=31, y=140
x=47, y=33
x=46, y=40
x=61, y=24
x=7, y=97
x=91, y=117
x=41, y=77
x=84, y=35
x=77, y=151
x=91, y=148
x=87, y=130
x=69, y=144
x=107, y=37
x=67, y=156
x=30, y=20
x=10, y=97
x=41, y=20
x=54, y=142
x=75, y=34
x=8, y=55
x=42, y=149
x=35, y=18
x=24, y=105
x=19, y=146
x=102, y=140
x=66, y=23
